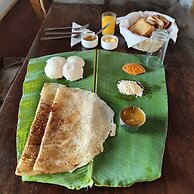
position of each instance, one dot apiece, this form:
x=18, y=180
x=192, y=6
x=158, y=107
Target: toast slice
x=142, y=28
x=158, y=21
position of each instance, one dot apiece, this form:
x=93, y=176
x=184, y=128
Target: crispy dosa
x=78, y=125
x=31, y=150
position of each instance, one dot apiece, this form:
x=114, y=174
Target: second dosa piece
x=31, y=150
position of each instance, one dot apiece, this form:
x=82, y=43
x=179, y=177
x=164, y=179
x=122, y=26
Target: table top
x=178, y=169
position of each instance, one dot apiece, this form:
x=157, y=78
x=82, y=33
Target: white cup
x=109, y=42
x=86, y=42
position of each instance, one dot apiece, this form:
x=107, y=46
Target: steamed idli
x=53, y=68
x=76, y=59
x=73, y=68
x=72, y=71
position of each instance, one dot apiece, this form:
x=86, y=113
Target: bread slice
x=159, y=21
x=152, y=21
x=31, y=150
x=142, y=28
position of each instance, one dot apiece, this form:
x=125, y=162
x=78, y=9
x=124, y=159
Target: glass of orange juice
x=106, y=18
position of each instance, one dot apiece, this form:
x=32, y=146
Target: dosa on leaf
x=78, y=125
x=31, y=150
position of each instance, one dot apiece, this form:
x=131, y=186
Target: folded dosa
x=78, y=125
x=31, y=150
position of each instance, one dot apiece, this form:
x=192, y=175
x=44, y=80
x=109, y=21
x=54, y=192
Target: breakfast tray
x=128, y=157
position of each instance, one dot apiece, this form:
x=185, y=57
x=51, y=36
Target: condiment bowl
x=132, y=118
x=109, y=42
x=89, y=40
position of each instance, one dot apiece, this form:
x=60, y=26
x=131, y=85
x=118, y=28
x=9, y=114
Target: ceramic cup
x=89, y=40
x=109, y=42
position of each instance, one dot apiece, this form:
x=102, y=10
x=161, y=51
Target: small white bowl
x=109, y=42
x=89, y=43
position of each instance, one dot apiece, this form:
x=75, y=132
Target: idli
x=53, y=68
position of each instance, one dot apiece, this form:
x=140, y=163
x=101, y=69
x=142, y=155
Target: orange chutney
x=133, y=68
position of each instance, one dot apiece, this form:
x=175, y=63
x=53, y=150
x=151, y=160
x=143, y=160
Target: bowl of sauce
x=89, y=40
x=109, y=42
x=132, y=118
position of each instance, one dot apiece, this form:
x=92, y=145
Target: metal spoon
x=100, y=30
x=63, y=28
x=60, y=37
x=108, y=24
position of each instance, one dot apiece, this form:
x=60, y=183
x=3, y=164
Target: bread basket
x=143, y=43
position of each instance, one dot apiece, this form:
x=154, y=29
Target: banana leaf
x=34, y=80
x=131, y=157
x=128, y=157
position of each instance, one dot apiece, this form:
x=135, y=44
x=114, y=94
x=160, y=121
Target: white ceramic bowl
x=109, y=42
x=89, y=43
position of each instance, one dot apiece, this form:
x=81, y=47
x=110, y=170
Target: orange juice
x=106, y=19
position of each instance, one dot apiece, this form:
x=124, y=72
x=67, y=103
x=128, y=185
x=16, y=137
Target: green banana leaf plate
x=128, y=157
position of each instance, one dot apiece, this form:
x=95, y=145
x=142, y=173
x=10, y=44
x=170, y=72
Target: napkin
x=75, y=41
x=133, y=39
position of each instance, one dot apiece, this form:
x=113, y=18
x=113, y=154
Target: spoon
x=77, y=35
x=63, y=28
x=108, y=24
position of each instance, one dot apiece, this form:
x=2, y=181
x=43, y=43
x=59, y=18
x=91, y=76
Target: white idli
x=72, y=71
x=75, y=59
x=53, y=68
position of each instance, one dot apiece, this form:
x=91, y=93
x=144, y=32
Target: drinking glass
x=157, y=48
x=106, y=18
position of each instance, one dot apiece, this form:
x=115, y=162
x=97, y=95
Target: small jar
x=155, y=57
